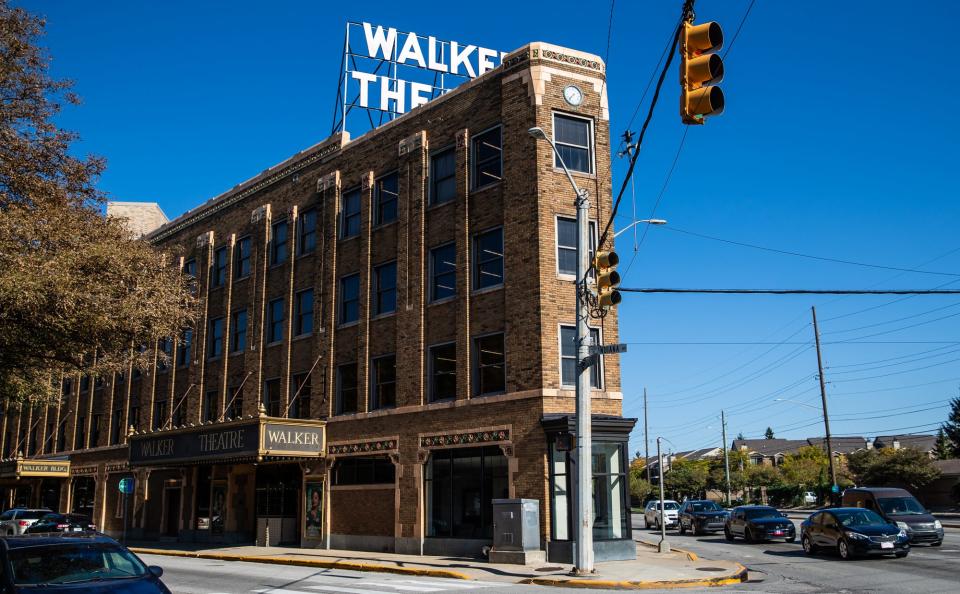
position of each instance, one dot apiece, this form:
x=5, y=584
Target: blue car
x=853, y=532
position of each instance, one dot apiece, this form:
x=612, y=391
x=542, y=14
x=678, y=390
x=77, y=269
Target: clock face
x=573, y=95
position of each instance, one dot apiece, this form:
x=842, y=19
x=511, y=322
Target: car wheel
x=792, y=539
x=900, y=555
x=646, y=524
x=728, y=535
x=748, y=535
x=808, y=546
x=844, y=549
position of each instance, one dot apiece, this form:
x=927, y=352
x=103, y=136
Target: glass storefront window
x=609, y=501
x=561, y=503
x=460, y=487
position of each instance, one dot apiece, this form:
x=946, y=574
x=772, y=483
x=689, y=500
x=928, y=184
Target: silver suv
x=14, y=521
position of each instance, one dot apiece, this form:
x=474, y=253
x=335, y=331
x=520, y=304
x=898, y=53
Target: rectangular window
x=567, y=245
x=61, y=436
x=84, y=383
x=443, y=177
x=183, y=348
x=574, y=142
x=559, y=494
x=218, y=270
x=350, y=214
x=443, y=371
x=460, y=484
x=443, y=272
x=215, y=341
x=377, y=470
x=159, y=414
x=299, y=403
x=307, y=232
x=487, y=164
x=241, y=258
x=568, y=357
x=385, y=289
x=238, y=331
x=67, y=387
x=164, y=353
x=234, y=402
x=210, y=406
x=275, y=318
x=271, y=397
x=80, y=433
x=278, y=243
x=610, y=490
x=350, y=299
x=383, y=382
x=179, y=413
x=488, y=259
x=190, y=271
x=346, y=389
x=303, y=313
x=386, y=193
x=490, y=365
x=133, y=417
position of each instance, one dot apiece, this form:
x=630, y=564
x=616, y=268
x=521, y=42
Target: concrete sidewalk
x=650, y=569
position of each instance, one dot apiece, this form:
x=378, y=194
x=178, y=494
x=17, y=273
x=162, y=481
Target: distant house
x=772, y=452
x=670, y=458
x=924, y=443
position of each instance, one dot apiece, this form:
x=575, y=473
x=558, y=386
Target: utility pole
x=664, y=545
x=726, y=454
x=646, y=436
x=823, y=399
x=584, y=499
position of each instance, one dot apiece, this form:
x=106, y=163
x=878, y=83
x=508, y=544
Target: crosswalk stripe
x=345, y=590
x=418, y=588
x=454, y=584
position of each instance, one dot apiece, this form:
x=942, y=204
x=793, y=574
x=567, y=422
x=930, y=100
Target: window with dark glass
x=183, y=348
x=442, y=367
x=218, y=270
x=179, y=413
x=361, y=470
x=271, y=397
x=568, y=357
x=299, y=403
x=84, y=383
x=443, y=272
x=383, y=382
x=278, y=243
x=490, y=365
x=385, y=288
x=350, y=214
x=275, y=319
x=346, y=389
x=567, y=245
x=210, y=406
x=487, y=164
x=190, y=271
x=350, y=299
x=119, y=378
x=134, y=415
x=443, y=177
x=488, y=259
x=34, y=446
x=116, y=426
x=159, y=414
x=165, y=349
x=385, y=199
x=67, y=387
x=241, y=258
x=215, y=341
x=80, y=433
x=460, y=486
x=560, y=496
x=307, y=236
x=234, y=404
x=238, y=331
x=303, y=313
x=61, y=436
x=573, y=139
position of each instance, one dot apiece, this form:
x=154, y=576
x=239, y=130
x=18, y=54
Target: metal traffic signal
x=608, y=279
x=700, y=67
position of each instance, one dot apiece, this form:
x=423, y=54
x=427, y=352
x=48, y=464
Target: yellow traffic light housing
x=700, y=68
x=608, y=279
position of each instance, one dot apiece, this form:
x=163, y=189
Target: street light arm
x=539, y=133
x=635, y=223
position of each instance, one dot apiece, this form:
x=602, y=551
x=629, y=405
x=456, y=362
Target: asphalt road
x=782, y=567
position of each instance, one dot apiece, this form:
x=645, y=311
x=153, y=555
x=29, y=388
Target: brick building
x=384, y=344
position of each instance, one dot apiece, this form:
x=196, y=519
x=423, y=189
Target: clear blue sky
x=839, y=140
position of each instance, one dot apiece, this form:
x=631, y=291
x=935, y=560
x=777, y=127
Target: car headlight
x=903, y=526
x=937, y=525
x=856, y=535
x=902, y=534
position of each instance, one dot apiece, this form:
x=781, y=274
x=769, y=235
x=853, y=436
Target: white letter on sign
x=457, y=58
x=411, y=49
x=416, y=99
x=485, y=64
x=433, y=64
x=380, y=43
x=386, y=94
x=365, y=79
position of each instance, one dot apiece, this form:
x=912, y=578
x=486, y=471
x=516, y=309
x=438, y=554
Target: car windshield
x=32, y=514
x=72, y=563
x=860, y=517
x=705, y=506
x=668, y=505
x=901, y=505
x=52, y=518
x=761, y=512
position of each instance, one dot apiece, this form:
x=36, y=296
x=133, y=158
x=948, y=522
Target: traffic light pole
x=584, y=498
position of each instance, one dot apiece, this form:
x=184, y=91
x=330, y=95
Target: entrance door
x=171, y=524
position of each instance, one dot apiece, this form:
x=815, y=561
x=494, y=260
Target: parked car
x=15, y=521
x=700, y=516
x=759, y=522
x=898, y=507
x=61, y=523
x=74, y=563
x=653, y=511
x=853, y=531
x=809, y=498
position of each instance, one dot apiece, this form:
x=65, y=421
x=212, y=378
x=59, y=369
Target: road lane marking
x=408, y=588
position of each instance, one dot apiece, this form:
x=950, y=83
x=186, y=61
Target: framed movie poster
x=218, y=507
x=313, y=511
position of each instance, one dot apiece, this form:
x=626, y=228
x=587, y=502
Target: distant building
x=141, y=217
x=924, y=443
x=772, y=452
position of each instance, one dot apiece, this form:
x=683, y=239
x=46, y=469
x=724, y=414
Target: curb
x=691, y=556
x=738, y=577
x=351, y=565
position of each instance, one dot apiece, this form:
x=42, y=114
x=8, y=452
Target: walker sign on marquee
x=390, y=72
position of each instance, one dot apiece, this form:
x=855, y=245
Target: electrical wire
x=916, y=315
x=886, y=365
x=892, y=373
x=940, y=348
x=792, y=291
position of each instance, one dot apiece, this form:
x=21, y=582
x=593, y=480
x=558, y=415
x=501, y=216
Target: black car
x=898, y=506
x=61, y=523
x=853, y=531
x=74, y=563
x=759, y=522
x=701, y=516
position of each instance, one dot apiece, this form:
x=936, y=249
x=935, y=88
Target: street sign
x=835, y=488
x=608, y=349
x=126, y=485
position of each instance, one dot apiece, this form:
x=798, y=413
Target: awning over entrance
x=19, y=467
x=244, y=440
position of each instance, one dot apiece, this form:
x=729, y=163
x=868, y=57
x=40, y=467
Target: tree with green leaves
x=952, y=427
x=769, y=433
x=942, y=448
x=687, y=478
x=740, y=436
x=805, y=468
x=888, y=467
x=77, y=290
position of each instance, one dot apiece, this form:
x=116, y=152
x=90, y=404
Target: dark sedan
x=61, y=523
x=701, y=516
x=759, y=522
x=74, y=563
x=853, y=532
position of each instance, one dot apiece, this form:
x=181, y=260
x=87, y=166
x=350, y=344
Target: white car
x=14, y=521
x=809, y=497
x=652, y=513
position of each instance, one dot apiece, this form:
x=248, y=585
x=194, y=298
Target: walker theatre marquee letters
x=254, y=438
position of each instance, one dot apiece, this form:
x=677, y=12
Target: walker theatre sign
x=236, y=441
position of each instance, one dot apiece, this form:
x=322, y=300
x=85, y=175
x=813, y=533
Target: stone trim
x=482, y=436
x=384, y=445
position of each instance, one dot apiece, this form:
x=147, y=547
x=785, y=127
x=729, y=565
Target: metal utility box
x=516, y=531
